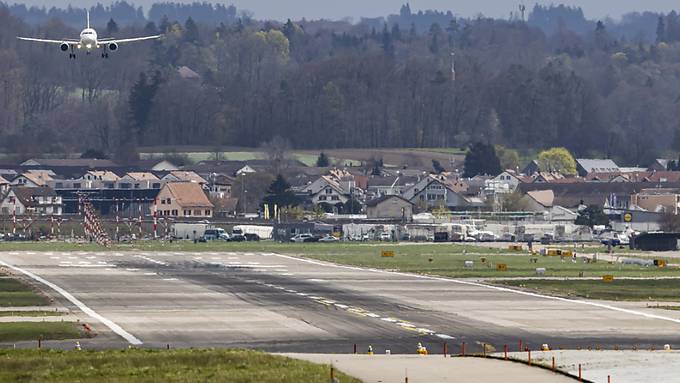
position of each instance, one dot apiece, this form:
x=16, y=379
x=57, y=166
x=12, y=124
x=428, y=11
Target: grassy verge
x=437, y=259
x=624, y=290
x=16, y=294
x=158, y=366
x=30, y=313
x=18, y=331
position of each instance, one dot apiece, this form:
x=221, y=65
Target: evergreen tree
x=280, y=194
x=191, y=31
x=141, y=101
x=437, y=167
x=481, y=159
x=111, y=27
x=660, y=31
x=323, y=161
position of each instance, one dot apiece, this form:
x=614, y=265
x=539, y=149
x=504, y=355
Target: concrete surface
x=433, y=369
x=641, y=366
x=281, y=303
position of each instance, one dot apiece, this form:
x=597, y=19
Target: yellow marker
x=608, y=278
x=502, y=267
x=386, y=253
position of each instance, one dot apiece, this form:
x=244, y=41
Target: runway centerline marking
x=476, y=284
x=106, y=322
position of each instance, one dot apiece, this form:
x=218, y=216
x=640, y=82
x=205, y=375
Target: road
x=285, y=304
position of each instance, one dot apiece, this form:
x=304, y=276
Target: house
x=531, y=168
x=438, y=190
x=334, y=192
x=4, y=186
x=392, y=207
x=585, y=166
x=230, y=168
x=544, y=201
x=184, y=176
x=94, y=179
x=33, y=178
x=389, y=185
x=659, y=164
x=225, y=207
x=657, y=200
x=220, y=186
x=31, y=200
x=156, y=165
x=139, y=180
x=608, y=177
x=183, y=199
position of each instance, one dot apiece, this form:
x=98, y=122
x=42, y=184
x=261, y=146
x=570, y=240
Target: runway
x=287, y=304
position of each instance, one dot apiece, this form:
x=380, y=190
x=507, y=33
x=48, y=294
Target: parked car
x=215, y=234
x=328, y=238
x=507, y=237
x=486, y=236
x=305, y=237
x=385, y=236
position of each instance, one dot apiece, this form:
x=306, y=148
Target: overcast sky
x=337, y=9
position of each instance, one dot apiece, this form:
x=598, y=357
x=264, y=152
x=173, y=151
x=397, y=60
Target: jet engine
x=113, y=47
x=63, y=47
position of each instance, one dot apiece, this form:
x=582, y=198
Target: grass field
x=16, y=294
x=627, y=290
x=158, y=366
x=19, y=331
x=437, y=259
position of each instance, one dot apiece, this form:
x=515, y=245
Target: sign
x=661, y=263
x=608, y=278
x=502, y=267
x=628, y=217
x=386, y=253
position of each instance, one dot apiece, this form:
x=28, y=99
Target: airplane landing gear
x=72, y=56
x=105, y=55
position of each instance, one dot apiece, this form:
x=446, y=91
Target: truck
x=190, y=231
x=262, y=232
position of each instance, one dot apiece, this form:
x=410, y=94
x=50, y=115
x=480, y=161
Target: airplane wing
x=130, y=40
x=67, y=41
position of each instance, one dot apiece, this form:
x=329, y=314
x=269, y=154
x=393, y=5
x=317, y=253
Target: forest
x=219, y=77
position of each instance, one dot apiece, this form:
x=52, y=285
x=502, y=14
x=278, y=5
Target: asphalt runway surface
x=286, y=304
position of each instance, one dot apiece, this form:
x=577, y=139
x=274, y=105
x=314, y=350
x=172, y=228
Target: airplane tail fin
x=87, y=12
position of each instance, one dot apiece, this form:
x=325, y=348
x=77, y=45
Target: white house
x=139, y=180
x=31, y=200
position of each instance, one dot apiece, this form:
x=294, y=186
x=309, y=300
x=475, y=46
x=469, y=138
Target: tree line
x=238, y=81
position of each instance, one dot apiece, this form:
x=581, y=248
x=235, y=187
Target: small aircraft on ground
x=89, y=41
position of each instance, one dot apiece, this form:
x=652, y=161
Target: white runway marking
x=108, y=323
x=477, y=284
x=170, y=279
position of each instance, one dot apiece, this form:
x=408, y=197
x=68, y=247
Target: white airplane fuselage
x=88, y=39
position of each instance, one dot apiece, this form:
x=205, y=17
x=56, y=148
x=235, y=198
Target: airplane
x=89, y=41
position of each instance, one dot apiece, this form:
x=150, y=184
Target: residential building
x=183, y=199
x=139, y=180
x=391, y=185
x=391, y=207
x=334, y=192
x=33, y=178
x=438, y=190
x=585, y=166
x=657, y=200
x=31, y=200
x=220, y=186
x=185, y=176
x=659, y=164
x=4, y=186
x=156, y=165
